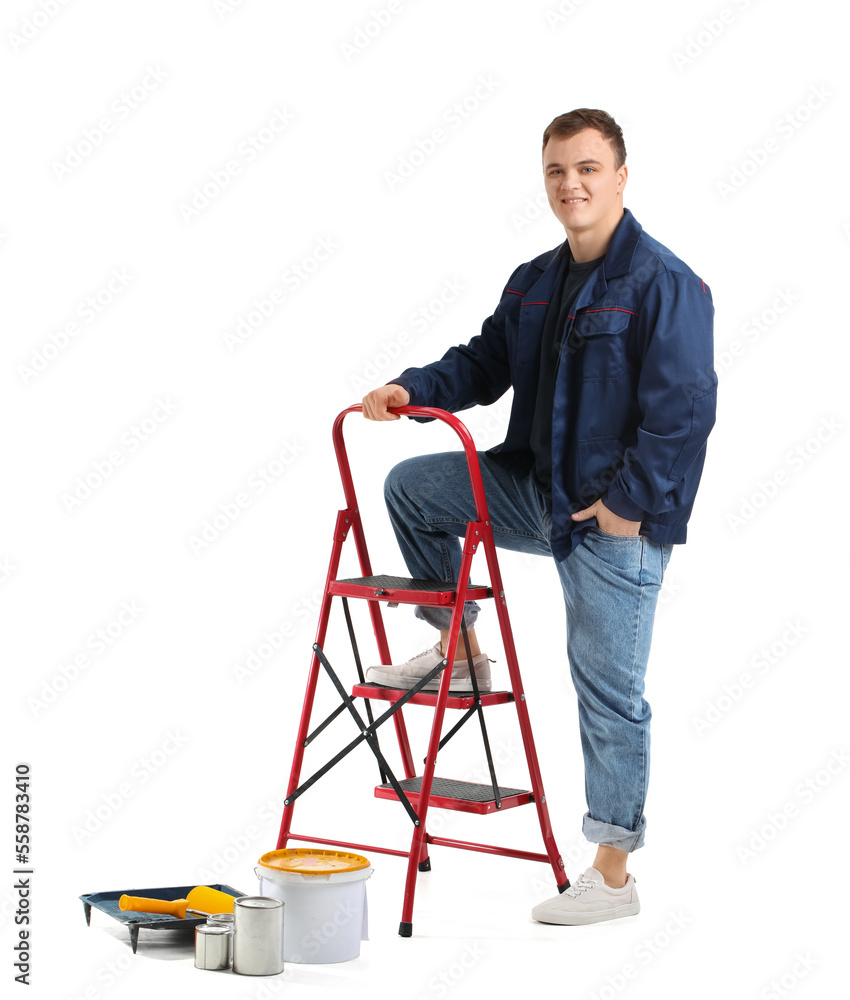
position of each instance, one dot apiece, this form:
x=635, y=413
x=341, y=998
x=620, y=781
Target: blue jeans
x=610, y=585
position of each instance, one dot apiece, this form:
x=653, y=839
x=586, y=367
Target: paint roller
x=201, y=902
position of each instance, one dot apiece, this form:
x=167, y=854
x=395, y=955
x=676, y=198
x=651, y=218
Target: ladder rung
x=404, y=590
x=380, y=692
x=464, y=796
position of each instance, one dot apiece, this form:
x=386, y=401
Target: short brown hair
x=570, y=124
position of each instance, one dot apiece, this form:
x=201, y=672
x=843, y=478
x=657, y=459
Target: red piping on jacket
x=527, y=303
x=606, y=309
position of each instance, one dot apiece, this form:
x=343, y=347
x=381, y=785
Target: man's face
x=581, y=183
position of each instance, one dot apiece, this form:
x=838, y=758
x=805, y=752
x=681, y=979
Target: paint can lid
x=310, y=861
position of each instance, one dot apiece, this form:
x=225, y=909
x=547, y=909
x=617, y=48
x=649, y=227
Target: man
x=607, y=341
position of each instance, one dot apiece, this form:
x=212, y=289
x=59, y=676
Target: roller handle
x=212, y=901
x=173, y=907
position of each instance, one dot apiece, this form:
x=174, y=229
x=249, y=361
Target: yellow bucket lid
x=307, y=861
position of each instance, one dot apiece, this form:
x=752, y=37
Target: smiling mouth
x=573, y=201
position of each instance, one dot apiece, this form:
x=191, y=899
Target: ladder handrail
x=433, y=412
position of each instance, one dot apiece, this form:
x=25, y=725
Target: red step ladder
x=419, y=792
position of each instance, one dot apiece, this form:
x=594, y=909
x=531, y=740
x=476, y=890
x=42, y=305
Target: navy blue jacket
x=635, y=388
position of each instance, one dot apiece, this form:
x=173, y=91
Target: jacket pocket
x=596, y=345
x=599, y=461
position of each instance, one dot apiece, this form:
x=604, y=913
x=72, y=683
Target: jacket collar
x=621, y=249
x=618, y=257
x=618, y=261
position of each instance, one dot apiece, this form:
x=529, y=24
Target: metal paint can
x=258, y=936
x=220, y=920
x=213, y=947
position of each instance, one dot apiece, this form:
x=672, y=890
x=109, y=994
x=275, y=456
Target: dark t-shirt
x=564, y=294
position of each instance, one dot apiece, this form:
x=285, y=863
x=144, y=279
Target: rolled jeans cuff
x=441, y=617
x=611, y=835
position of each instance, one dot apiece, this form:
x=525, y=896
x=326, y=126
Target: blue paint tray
x=107, y=902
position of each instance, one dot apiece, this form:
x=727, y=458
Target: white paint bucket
x=326, y=915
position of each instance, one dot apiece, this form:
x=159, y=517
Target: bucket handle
x=260, y=875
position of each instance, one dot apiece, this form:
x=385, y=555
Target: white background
x=154, y=764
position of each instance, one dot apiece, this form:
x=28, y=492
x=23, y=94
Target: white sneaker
x=403, y=676
x=588, y=901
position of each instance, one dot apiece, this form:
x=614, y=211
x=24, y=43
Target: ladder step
x=404, y=590
x=464, y=796
x=380, y=692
